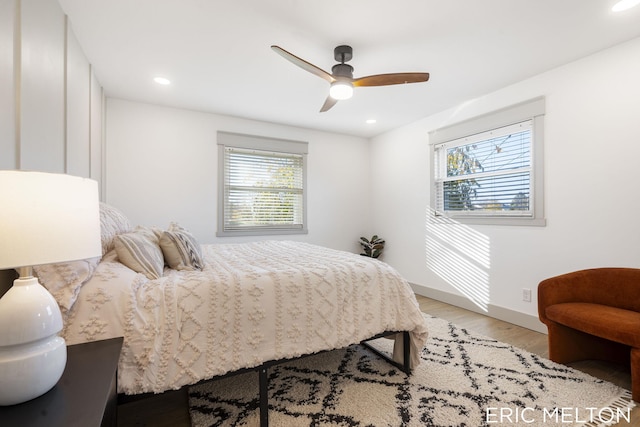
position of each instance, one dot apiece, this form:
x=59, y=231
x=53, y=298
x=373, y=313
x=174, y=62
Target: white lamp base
x=30, y=370
x=32, y=355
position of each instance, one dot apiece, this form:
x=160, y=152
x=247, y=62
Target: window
x=262, y=185
x=489, y=170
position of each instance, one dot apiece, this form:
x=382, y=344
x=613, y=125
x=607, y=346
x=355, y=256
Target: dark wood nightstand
x=85, y=396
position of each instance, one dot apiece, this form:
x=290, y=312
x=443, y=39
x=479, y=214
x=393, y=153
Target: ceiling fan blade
x=303, y=64
x=330, y=102
x=391, y=79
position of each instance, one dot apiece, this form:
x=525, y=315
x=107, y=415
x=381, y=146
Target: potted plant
x=372, y=247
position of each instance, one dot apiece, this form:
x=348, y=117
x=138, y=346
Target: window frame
x=533, y=110
x=272, y=146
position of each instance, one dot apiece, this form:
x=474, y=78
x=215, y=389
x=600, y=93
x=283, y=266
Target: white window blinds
x=263, y=190
x=486, y=174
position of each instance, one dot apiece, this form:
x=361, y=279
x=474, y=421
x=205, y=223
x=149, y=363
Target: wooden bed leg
x=264, y=396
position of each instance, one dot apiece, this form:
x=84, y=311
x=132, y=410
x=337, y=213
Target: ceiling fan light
x=341, y=90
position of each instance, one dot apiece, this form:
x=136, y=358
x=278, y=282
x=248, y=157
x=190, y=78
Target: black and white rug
x=464, y=380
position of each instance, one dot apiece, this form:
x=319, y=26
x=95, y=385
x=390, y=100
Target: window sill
x=277, y=232
x=522, y=222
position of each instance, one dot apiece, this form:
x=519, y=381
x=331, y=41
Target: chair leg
x=570, y=345
x=635, y=374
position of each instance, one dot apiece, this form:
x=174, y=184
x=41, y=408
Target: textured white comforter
x=253, y=302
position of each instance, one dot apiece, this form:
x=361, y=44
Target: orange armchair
x=594, y=314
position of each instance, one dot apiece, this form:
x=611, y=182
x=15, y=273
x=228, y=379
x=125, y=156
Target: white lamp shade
x=47, y=218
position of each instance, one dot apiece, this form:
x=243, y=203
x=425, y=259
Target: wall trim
x=517, y=318
x=65, y=97
x=17, y=82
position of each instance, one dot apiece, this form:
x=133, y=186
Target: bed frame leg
x=406, y=341
x=264, y=396
x=405, y=366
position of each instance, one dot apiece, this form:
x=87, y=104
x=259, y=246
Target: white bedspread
x=253, y=302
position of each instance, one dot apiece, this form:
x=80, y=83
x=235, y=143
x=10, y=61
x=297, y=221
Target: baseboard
x=517, y=318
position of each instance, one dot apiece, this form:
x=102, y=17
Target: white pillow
x=140, y=252
x=181, y=250
x=112, y=223
x=64, y=280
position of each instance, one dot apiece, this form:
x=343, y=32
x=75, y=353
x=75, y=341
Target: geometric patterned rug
x=464, y=379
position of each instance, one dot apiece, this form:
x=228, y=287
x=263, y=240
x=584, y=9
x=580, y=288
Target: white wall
x=78, y=103
x=42, y=79
x=47, y=89
x=161, y=166
x=592, y=158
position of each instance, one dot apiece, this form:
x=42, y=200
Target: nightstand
x=85, y=396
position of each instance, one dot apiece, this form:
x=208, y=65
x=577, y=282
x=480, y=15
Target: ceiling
x=217, y=53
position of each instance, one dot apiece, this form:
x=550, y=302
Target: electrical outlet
x=526, y=294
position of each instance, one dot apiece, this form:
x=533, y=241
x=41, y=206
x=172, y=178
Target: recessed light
x=624, y=5
x=370, y=121
x=162, y=80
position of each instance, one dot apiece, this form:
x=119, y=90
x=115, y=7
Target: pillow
x=140, y=252
x=112, y=223
x=64, y=280
x=181, y=250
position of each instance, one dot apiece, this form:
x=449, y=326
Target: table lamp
x=44, y=218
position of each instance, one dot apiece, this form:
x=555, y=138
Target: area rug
x=464, y=379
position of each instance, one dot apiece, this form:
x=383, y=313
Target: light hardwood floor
x=170, y=409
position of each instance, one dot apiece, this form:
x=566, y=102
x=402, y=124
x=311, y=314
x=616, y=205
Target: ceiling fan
x=341, y=77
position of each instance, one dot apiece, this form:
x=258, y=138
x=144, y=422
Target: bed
x=190, y=312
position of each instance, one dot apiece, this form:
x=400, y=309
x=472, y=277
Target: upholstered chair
x=594, y=314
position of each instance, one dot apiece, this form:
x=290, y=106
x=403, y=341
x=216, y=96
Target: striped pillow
x=140, y=252
x=181, y=250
